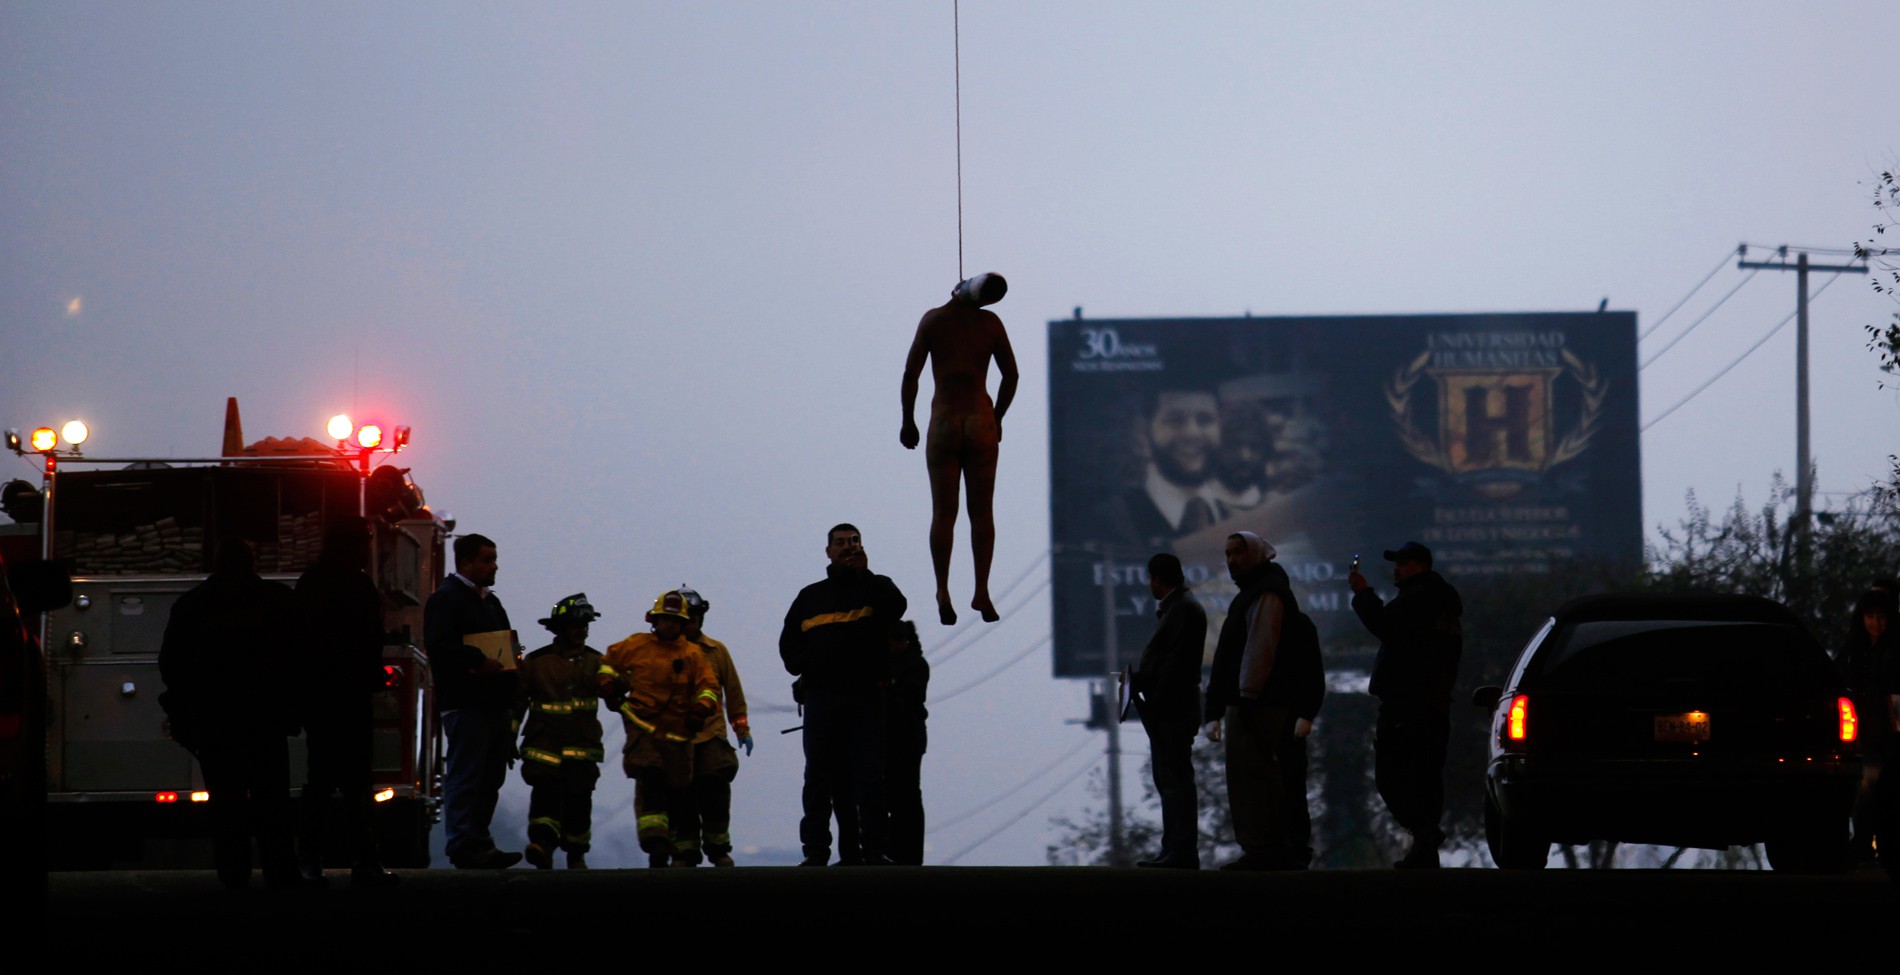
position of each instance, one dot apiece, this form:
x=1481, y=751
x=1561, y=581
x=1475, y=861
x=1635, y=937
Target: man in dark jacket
x=225, y=661
x=343, y=623
x=1420, y=640
x=1167, y=686
x=836, y=641
x=472, y=654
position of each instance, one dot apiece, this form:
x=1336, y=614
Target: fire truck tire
x=402, y=833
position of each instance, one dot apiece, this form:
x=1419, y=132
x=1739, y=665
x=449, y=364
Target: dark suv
x=1699, y=721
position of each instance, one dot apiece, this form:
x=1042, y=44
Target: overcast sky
x=642, y=275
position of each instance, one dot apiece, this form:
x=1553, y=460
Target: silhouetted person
x=1420, y=640
x=1168, y=697
x=905, y=742
x=226, y=663
x=342, y=672
x=1243, y=710
x=467, y=635
x=665, y=691
x=1870, y=664
x=960, y=338
x=836, y=641
x=705, y=825
x=561, y=741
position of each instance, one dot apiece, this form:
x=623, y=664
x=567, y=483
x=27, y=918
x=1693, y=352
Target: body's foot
x=576, y=860
x=722, y=860
x=685, y=861
x=540, y=856
x=1169, y=861
x=982, y=605
x=815, y=860
x=946, y=613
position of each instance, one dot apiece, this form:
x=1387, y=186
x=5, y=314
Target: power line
x=1011, y=662
x=1785, y=249
x=1705, y=317
x=1719, y=265
x=992, y=834
x=1018, y=787
x=1738, y=359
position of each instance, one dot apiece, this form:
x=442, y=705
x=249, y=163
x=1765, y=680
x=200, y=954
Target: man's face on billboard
x=1183, y=435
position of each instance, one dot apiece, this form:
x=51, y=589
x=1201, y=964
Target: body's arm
x=913, y=369
x=1006, y=368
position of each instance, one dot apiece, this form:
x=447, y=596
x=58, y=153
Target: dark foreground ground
x=626, y=919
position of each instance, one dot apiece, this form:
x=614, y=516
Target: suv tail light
x=392, y=675
x=1850, y=722
x=1514, y=721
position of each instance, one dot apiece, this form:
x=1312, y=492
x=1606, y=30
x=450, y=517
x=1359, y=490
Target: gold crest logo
x=1499, y=419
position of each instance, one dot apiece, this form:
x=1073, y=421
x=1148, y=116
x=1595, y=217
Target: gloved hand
x=745, y=741
x=1213, y=731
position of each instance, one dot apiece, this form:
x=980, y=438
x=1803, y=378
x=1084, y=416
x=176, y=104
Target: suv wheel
x=1514, y=844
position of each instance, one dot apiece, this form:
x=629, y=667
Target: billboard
x=1507, y=443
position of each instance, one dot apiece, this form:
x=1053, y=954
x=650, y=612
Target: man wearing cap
x=959, y=339
x=1420, y=640
x=560, y=743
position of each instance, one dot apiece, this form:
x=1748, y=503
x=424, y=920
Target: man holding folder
x=473, y=653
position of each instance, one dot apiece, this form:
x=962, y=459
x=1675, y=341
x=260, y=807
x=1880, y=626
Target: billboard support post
x=1117, y=841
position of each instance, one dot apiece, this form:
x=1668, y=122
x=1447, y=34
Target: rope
x=956, y=34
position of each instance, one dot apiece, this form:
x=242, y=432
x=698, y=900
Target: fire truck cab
x=137, y=533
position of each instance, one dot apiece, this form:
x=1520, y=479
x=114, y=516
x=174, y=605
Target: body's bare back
x=959, y=339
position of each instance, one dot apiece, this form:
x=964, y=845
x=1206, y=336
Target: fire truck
x=138, y=532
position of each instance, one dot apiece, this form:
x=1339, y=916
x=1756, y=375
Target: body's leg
x=979, y=476
x=943, y=457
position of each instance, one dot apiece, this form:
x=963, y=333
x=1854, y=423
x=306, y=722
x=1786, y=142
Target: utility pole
x=1804, y=462
x=1117, y=840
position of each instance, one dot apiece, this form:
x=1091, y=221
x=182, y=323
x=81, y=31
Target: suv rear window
x=1753, y=658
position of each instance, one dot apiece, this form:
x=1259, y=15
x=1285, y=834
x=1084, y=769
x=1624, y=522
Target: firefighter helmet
x=696, y=604
x=671, y=603
x=573, y=609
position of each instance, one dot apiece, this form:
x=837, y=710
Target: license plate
x=1693, y=726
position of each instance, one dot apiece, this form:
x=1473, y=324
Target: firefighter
x=560, y=743
x=665, y=692
x=706, y=815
